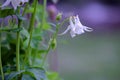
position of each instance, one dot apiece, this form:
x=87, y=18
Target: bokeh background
x=95, y=55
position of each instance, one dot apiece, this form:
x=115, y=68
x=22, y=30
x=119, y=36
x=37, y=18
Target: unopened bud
x=59, y=16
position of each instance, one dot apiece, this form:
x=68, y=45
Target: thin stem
x=1, y=68
x=43, y=14
x=18, y=41
x=49, y=47
x=31, y=26
x=18, y=49
x=10, y=29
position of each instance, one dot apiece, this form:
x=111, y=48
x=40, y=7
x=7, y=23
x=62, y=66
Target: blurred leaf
x=11, y=30
x=52, y=24
x=46, y=26
x=25, y=43
x=30, y=10
x=14, y=74
x=37, y=36
x=34, y=43
x=25, y=33
x=38, y=73
x=6, y=12
x=21, y=17
x=9, y=68
x=27, y=77
x=41, y=51
x=53, y=76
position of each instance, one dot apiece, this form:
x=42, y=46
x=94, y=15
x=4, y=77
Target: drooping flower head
x=15, y=3
x=76, y=27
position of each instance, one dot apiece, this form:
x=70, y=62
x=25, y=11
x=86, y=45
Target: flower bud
x=52, y=11
x=59, y=16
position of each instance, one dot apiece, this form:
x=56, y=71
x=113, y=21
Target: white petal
x=77, y=20
x=72, y=34
x=65, y=31
x=88, y=29
x=15, y=3
x=71, y=22
x=6, y=3
x=79, y=31
x=23, y=1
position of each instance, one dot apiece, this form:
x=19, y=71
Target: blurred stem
x=43, y=14
x=31, y=27
x=1, y=68
x=54, y=36
x=18, y=41
x=66, y=20
x=49, y=46
x=18, y=47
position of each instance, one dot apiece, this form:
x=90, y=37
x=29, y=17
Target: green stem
x=8, y=30
x=1, y=68
x=49, y=47
x=43, y=14
x=18, y=48
x=18, y=41
x=31, y=26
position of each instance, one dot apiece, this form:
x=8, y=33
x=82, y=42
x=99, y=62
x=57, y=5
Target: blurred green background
x=94, y=55
x=90, y=57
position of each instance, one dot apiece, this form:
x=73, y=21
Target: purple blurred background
x=101, y=15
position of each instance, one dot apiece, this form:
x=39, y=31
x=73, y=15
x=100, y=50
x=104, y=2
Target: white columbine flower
x=15, y=3
x=76, y=27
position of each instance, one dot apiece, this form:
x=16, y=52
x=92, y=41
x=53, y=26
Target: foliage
x=25, y=42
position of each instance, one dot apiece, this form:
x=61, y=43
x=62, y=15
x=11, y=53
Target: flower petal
x=71, y=22
x=79, y=30
x=23, y=1
x=6, y=3
x=65, y=31
x=72, y=33
x=77, y=21
x=15, y=3
x=88, y=29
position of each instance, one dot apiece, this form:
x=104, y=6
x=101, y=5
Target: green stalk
x=43, y=14
x=18, y=41
x=42, y=23
x=18, y=48
x=31, y=27
x=49, y=47
x=1, y=68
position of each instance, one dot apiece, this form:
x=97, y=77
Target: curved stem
x=43, y=14
x=49, y=47
x=1, y=68
x=31, y=26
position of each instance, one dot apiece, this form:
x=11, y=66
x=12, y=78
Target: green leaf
x=46, y=26
x=25, y=33
x=41, y=51
x=38, y=73
x=14, y=74
x=11, y=30
x=6, y=12
x=30, y=10
x=21, y=17
x=53, y=76
x=27, y=77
